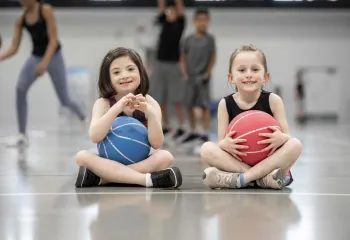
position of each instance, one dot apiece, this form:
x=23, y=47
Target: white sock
x=148, y=180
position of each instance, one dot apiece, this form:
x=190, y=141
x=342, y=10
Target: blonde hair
x=248, y=48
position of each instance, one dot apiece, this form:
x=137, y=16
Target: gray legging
x=57, y=72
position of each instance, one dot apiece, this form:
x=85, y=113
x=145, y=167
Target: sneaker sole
x=176, y=177
x=80, y=178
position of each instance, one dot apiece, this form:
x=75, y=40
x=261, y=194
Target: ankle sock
x=148, y=180
x=240, y=181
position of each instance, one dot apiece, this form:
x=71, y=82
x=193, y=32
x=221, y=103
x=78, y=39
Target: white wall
x=289, y=38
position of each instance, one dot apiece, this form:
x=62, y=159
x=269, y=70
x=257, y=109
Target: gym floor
x=38, y=199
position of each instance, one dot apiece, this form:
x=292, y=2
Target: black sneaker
x=204, y=138
x=86, y=178
x=166, y=131
x=191, y=137
x=179, y=132
x=168, y=178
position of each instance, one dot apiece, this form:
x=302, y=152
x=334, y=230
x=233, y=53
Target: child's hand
x=141, y=104
x=275, y=139
x=232, y=146
x=125, y=101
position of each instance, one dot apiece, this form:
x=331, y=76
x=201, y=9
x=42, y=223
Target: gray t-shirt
x=198, y=51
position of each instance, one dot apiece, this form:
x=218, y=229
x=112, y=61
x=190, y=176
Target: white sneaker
x=20, y=140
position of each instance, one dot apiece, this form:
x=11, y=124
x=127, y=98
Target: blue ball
x=126, y=142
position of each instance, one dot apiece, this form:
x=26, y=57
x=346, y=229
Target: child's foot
x=272, y=180
x=18, y=141
x=86, y=178
x=168, y=178
x=214, y=178
x=287, y=180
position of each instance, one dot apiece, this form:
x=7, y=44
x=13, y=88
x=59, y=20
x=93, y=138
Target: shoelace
x=269, y=181
x=224, y=179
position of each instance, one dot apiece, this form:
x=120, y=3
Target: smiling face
x=248, y=71
x=125, y=75
x=122, y=72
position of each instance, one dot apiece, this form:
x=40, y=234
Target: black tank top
x=137, y=114
x=262, y=104
x=38, y=33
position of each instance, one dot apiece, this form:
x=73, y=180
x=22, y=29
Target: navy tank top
x=38, y=33
x=262, y=104
x=137, y=114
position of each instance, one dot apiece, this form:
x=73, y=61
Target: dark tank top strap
x=264, y=102
x=112, y=101
x=232, y=108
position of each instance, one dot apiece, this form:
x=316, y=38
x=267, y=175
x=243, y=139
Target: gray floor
x=38, y=199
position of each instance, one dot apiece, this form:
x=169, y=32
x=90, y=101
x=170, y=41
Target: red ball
x=248, y=125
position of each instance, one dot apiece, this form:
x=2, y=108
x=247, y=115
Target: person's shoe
x=287, y=180
x=86, y=178
x=18, y=141
x=168, y=178
x=214, y=178
x=179, y=132
x=190, y=138
x=272, y=180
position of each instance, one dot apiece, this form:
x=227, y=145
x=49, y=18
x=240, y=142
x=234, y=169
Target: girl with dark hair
x=123, y=88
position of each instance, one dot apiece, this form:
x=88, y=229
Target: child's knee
x=296, y=146
x=81, y=156
x=165, y=158
x=207, y=150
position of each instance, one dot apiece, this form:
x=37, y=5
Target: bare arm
x=51, y=31
x=155, y=131
x=212, y=58
x=277, y=109
x=161, y=6
x=180, y=7
x=102, y=119
x=16, y=40
x=183, y=68
x=211, y=64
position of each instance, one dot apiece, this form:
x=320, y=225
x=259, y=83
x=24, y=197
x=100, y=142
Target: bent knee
x=294, y=148
x=207, y=150
x=296, y=145
x=165, y=158
x=81, y=156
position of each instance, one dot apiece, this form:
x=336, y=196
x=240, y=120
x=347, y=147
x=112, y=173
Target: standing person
x=167, y=82
x=38, y=19
x=198, y=56
x=300, y=96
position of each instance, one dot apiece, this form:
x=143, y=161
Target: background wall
x=290, y=39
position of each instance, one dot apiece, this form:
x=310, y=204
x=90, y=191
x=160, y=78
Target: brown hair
x=248, y=48
x=105, y=87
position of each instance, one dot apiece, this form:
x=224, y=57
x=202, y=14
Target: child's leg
x=214, y=156
x=101, y=171
x=283, y=159
x=266, y=172
x=217, y=158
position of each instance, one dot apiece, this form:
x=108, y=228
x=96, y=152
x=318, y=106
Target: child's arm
x=225, y=141
x=103, y=117
x=154, y=117
x=277, y=109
